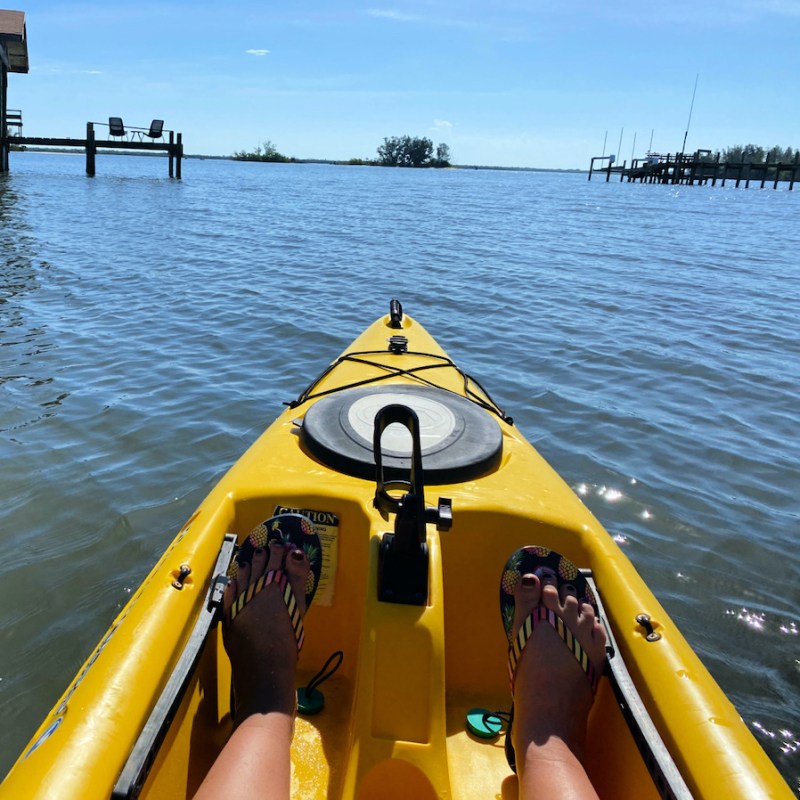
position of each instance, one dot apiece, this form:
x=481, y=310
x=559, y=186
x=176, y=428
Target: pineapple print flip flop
x=544, y=563
x=292, y=529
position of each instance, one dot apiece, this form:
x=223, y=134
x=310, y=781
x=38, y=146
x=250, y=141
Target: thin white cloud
x=254, y=52
x=388, y=13
x=67, y=70
x=784, y=8
x=442, y=125
x=435, y=21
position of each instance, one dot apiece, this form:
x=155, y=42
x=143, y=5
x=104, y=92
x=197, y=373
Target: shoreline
x=331, y=162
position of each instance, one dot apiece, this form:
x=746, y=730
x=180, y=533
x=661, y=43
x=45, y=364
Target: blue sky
x=524, y=83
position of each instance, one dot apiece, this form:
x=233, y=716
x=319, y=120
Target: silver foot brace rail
x=144, y=752
x=663, y=770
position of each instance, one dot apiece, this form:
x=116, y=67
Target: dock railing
x=14, y=119
x=699, y=167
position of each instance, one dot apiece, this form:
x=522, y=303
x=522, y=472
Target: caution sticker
x=327, y=525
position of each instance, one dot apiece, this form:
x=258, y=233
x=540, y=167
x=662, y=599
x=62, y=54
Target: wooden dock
x=14, y=58
x=697, y=168
x=173, y=146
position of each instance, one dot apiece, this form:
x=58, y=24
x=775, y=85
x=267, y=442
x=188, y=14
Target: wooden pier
x=173, y=145
x=14, y=58
x=697, y=168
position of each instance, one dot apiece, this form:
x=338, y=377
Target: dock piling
x=91, y=149
x=698, y=168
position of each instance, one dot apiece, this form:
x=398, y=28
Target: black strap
x=326, y=671
x=393, y=371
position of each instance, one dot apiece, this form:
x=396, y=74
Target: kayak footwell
x=407, y=741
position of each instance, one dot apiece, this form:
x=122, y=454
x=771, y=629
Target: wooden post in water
x=179, y=156
x=91, y=149
x=171, y=152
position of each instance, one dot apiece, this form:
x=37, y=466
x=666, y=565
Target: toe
x=550, y=597
x=258, y=565
x=298, y=569
x=567, y=590
x=243, y=577
x=229, y=595
x=277, y=553
x=528, y=592
x=527, y=596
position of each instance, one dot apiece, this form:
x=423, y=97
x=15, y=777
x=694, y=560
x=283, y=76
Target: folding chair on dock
x=115, y=127
x=156, y=129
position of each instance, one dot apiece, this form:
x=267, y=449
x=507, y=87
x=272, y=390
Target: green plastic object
x=483, y=723
x=310, y=702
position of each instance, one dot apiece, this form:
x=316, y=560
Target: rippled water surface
x=645, y=338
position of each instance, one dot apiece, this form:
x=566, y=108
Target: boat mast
x=691, y=108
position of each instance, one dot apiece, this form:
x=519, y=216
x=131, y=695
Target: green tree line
x=263, y=152
x=754, y=154
x=396, y=151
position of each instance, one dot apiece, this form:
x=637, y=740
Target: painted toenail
x=297, y=555
x=528, y=580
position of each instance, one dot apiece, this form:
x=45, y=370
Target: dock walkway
x=172, y=146
x=697, y=168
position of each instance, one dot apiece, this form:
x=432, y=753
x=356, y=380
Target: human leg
x=553, y=691
x=261, y=644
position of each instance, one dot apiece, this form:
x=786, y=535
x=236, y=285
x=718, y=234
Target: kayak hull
x=393, y=721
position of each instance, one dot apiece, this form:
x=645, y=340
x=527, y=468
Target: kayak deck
x=393, y=724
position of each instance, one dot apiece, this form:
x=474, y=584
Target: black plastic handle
x=395, y=314
x=410, y=508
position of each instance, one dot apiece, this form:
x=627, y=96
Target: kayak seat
x=460, y=441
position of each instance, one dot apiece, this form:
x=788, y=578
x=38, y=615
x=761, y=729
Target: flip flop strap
x=542, y=614
x=280, y=577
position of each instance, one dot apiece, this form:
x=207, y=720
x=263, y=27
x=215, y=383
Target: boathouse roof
x=13, y=42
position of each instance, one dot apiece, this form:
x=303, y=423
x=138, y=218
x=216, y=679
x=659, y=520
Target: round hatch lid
x=459, y=440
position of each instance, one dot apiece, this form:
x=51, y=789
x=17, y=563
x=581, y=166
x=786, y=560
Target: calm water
x=645, y=338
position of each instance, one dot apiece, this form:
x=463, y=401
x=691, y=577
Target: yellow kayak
x=420, y=637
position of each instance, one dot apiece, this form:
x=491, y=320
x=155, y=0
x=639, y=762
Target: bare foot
x=552, y=694
x=260, y=640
